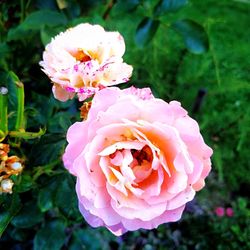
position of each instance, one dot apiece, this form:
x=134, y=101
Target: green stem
x=214, y=56
x=20, y=107
x=22, y=10
x=27, y=135
x=3, y=111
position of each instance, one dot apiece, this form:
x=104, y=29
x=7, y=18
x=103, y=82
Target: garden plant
x=124, y=124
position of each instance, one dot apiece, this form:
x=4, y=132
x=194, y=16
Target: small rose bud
x=220, y=211
x=14, y=163
x=85, y=110
x=17, y=166
x=7, y=185
x=229, y=212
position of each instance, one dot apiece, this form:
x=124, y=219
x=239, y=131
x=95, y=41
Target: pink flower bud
x=229, y=212
x=220, y=211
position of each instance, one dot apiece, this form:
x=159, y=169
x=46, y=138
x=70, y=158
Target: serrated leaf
x=28, y=216
x=194, y=35
x=50, y=237
x=166, y=6
x=146, y=31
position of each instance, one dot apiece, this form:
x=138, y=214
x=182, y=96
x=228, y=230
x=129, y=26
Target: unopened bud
x=3, y=91
x=5, y=147
x=85, y=110
x=3, y=156
x=17, y=166
x=7, y=185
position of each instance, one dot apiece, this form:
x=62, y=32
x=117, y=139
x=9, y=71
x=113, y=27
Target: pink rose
x=84, y=59
x=138, y=160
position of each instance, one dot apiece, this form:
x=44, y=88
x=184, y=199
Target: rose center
x=144, y=154
x=80, y=56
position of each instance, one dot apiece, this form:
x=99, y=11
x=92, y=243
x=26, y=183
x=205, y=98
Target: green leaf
x=9, y=213
x=50, y=237
x=60, y=193
x=194, y=35
x=46, y=4
x=60, y=123
x=28, y=216
x=65, y=196
x=46, y=195
x=38, y=19
x=11, y=81
x=47, y=33
x=24, y=182
x=44, y=200
x=35, y=22
x=18, y=33
x=128, y=5
x=19, y=234
x=166, y=6
x=48, y=149
x=4, y=50
x=146, y=31
x=85, y=239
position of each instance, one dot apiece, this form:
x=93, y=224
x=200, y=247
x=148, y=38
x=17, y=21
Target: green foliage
x=12, y=206
x=165, y=6
x=28, y=216
x=42, y=212
x=194, y=35
x=50, y=237
x=145, y=31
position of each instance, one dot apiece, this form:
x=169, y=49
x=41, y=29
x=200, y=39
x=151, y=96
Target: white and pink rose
x=84, y=59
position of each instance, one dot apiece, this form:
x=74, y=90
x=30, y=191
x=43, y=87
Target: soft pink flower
x=138, y=160
x=229, y=212
x=84, y=59
x=220, y=211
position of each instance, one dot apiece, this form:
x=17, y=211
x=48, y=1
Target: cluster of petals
x=84, y=59
x=138, y=160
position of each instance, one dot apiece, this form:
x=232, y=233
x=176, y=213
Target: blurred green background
x=196, y=52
